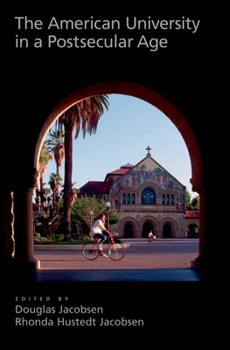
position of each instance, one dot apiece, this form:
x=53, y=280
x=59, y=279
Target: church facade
x=147, y=198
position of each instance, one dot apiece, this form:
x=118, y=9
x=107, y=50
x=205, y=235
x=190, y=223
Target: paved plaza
x=158, y=261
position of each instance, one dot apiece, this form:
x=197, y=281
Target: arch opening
x=146, y=95
x=147, y=227
x=167, y=231
x=128, y=230
x=134, y=90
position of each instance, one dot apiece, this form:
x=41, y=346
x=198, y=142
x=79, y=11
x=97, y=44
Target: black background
x=174, y=313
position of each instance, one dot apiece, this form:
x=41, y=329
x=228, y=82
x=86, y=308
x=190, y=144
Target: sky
x=123, y=133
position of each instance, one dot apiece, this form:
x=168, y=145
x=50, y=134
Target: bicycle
x=114, y=249
x=151, y=240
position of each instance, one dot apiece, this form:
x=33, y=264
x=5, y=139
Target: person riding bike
x=96, y=232
x=151, y=236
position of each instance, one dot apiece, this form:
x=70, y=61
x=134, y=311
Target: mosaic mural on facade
x=139, y=175
x=147, y=172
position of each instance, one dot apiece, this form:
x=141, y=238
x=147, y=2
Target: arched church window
x=128, y=198
x=124, y=198
x=163, y=199
x=133, y=198
x=117, y=204
x=148, y=196
x=167, y=199
x=172, y=199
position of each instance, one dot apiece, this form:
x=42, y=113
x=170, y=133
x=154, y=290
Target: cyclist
x=151, y=236
x=96, y=232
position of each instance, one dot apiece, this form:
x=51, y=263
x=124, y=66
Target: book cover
x=52, y=52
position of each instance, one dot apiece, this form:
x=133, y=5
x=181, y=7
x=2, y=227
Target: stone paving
x=68, y=264
x=75, y=260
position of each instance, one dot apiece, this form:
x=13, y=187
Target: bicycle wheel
x=116, y=251
x=90, y=251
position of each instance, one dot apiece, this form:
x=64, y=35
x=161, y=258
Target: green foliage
x=45, y=156
x=57, y=237
x=55, y=181
x=60, y=240
x=187, y=199
x=113, y=219
x=192, y=204
x=49, y=239
x=47, y=221
x=55, y=178
x=55, y=140
x=86, y=209
x=55, y=145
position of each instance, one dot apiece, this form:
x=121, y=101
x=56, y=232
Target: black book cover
x=172, y=52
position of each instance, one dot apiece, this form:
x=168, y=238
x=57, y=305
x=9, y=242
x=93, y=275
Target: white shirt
x=97, y=227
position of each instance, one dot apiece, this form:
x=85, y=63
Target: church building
x=147, y=197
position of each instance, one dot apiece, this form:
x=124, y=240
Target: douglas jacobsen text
x=64, y=316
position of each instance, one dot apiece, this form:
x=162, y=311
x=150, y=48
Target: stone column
x=207, y=240
x=24, y=247
x=7, y=228
x=197, y=263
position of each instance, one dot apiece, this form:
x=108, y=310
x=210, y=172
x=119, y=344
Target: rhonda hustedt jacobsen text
x=86, y=317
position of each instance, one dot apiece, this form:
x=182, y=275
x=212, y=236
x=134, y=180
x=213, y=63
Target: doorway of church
x=167, y=231
x=147, y=227
x=128, y=230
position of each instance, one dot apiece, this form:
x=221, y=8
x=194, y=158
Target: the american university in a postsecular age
x=98, y=27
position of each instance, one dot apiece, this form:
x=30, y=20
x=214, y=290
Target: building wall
x=137, y=219
x=158, y=222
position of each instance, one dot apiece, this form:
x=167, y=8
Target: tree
x=191, y=204
x=55, y=183
x=187, y=200
x=55, y=145
x=84, y=116
x=44, y=158
x=86, y=209
x=195, y=203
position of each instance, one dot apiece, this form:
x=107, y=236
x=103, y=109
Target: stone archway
x=192, y=231
x=167, y=231
x=147, y=227
x=138, y=91
x=128, y=230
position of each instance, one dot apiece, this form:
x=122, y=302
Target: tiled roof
x=99, y=187
x=192, y=214
x=91, y=188
x=122, y=170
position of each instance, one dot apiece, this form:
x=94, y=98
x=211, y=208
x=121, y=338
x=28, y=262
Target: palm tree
x=84, y=116
x=44, y=158
x=55, y=145
x=55, y=183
